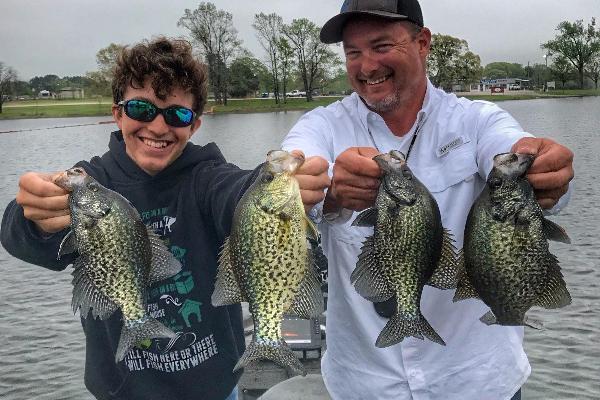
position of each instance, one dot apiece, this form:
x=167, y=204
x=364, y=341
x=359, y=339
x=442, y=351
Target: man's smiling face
x=154, y=145
x=385, y=61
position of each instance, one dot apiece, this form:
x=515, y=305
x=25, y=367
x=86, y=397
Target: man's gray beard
x=389, y=103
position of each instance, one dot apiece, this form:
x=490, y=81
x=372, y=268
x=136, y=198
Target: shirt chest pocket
x=451, y=169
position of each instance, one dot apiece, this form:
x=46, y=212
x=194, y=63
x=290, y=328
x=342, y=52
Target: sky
x=62, y=37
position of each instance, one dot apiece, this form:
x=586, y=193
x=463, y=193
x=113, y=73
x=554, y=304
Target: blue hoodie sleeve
x=21, y=239
x=219, y=188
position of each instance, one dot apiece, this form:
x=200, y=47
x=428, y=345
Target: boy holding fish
x=187, y=194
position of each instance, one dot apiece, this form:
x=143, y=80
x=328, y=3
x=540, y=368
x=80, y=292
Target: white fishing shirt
x=452, y=156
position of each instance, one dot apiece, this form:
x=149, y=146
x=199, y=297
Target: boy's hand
x=44, y=203
x=313, y=180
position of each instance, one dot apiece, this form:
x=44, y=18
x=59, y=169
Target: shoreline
x=55, y=109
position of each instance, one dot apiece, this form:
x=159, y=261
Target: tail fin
x=134, y=332
x=401, y=326
x=278, y=352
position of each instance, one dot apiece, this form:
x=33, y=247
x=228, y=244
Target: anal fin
x=227, y=289
x=87, y=296
x=164, y=264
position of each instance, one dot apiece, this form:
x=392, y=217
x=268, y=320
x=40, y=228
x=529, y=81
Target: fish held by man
x=267, y=261
x=408, y=250
x=507, y=261
x=119, y=257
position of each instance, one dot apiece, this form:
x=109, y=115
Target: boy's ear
x=195, y=126
x=117, y=113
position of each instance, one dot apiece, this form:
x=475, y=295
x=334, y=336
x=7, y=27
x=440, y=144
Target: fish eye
x=93, y=187
x=267, y=177
x=495, y=183
x=407, y=174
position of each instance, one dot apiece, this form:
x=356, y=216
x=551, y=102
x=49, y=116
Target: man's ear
x=194, y=127
x=424, y=39
x=117, y=113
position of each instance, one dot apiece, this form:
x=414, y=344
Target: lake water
x=42, y=355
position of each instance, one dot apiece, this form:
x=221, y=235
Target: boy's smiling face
x=154, y=145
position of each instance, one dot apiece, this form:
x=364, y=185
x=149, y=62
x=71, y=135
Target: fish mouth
x=283, y=161
x=70, y=178
x=394, y=160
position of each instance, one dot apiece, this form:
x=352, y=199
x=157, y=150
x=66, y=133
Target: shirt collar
x=364, y=113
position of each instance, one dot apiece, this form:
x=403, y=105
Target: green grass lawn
x=95, y=107
x=268, y=105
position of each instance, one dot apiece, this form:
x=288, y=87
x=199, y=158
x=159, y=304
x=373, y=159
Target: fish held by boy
x=507, y=262
x=409, y=249
x=267, y=261
x=119, y=257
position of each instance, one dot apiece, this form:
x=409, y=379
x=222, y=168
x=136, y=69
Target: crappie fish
x=119, y=257
x=507, y=263
x=408, y=249
x=267, y=262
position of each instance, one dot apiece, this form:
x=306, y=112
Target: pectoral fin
x=366, y=218
x=68, y=245
x=555, y=232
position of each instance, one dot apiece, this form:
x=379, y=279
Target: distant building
x=45, y=94
x=70, y=93
x=485, y=85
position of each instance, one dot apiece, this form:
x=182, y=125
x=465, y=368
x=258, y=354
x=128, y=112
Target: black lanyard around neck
x=420, y=123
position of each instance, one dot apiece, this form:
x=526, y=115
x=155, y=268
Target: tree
x=576, y=43
x=561, y=70
x=106, y=58
x=49, y=82
x=268, y=28
x=496, y=70
x=313, y=57
x=213, y=31
x=286, y=60
x=245, y=76
x=7, y=77
x=592, y=70
x=468, y=68
x=450, y=62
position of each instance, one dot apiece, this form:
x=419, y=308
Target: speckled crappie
x=119, y=257
x=507, y=263
x=409, y=248
x=267, y=262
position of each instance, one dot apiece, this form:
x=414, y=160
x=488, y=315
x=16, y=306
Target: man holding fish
x=449, y=144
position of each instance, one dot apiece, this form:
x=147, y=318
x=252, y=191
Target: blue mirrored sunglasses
x=145, y=111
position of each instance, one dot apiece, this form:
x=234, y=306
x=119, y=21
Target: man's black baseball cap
x=407, y=10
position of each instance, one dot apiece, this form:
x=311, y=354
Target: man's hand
x=43, y=202
x=552, y=169
x=313, y=180
x=355, y=180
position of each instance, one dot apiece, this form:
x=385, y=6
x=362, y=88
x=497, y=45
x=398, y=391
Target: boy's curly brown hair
x=167, y=63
